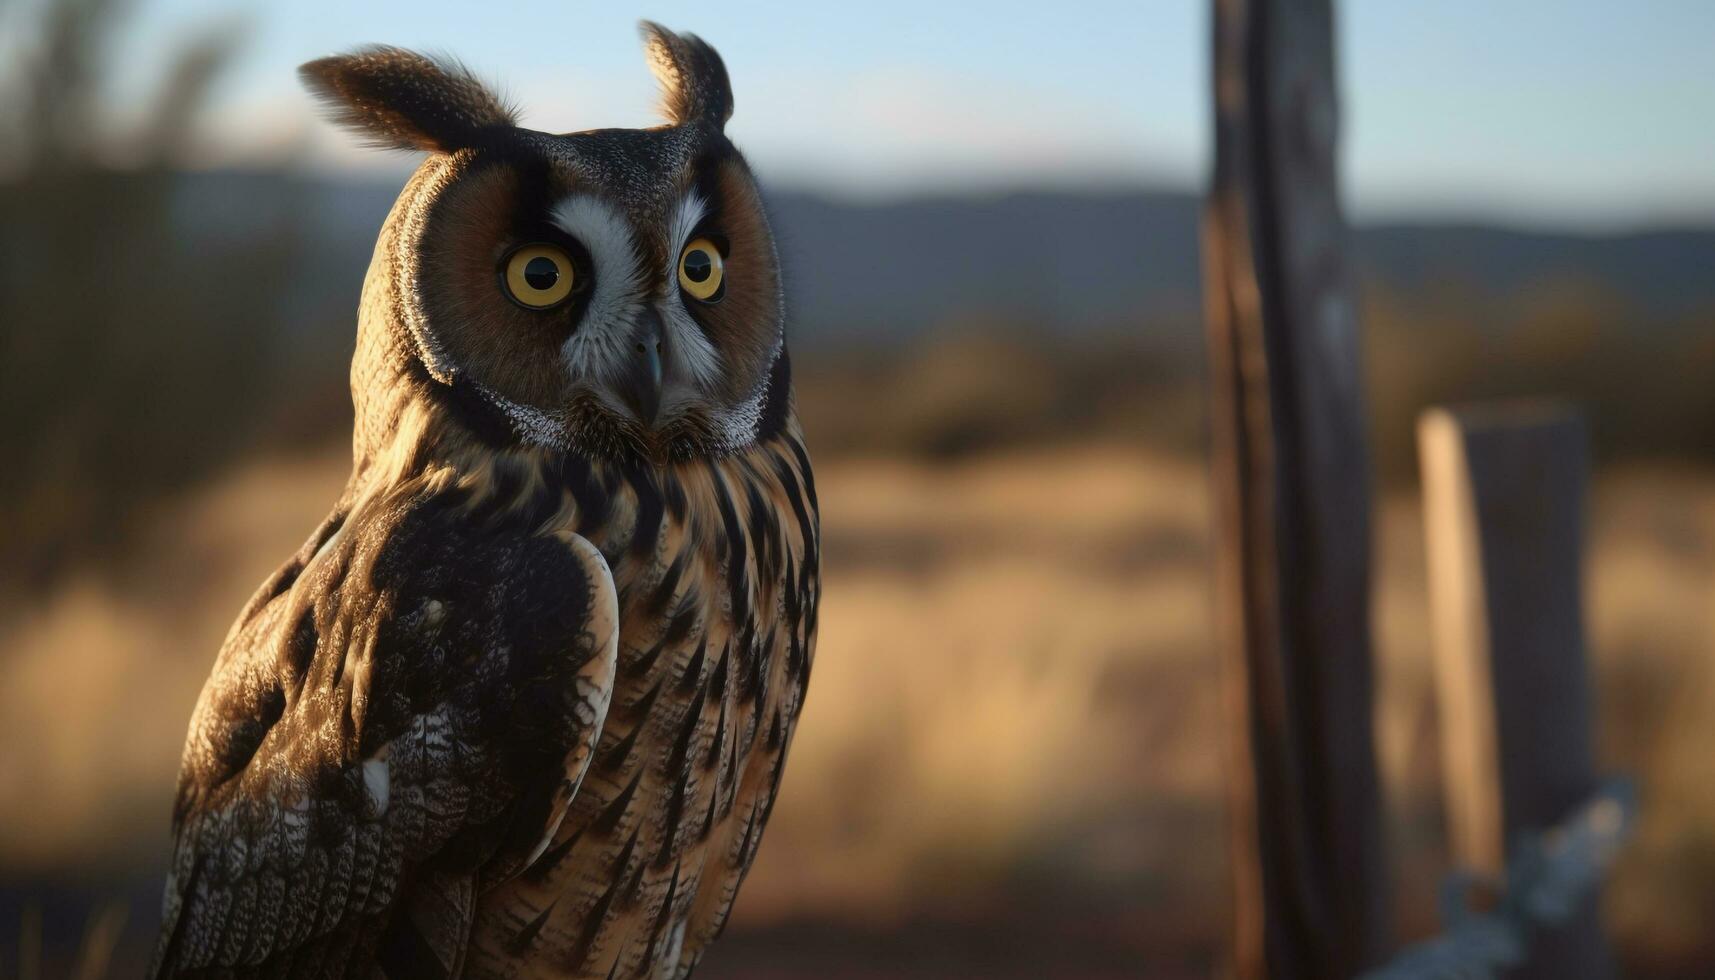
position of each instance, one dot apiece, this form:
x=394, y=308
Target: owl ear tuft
x=694, y=85
x=406, y=101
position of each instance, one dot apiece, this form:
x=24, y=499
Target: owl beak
x=641, y=386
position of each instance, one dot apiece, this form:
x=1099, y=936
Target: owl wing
x=403, y=712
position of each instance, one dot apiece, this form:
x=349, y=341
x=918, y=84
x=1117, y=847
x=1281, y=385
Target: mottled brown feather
x=577, y=659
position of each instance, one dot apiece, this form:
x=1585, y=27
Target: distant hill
x=1662, y=272
x=132, y=301
x=1067, y=260
x=1061, y=261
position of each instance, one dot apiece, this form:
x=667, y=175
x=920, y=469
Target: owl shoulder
x=421, y=686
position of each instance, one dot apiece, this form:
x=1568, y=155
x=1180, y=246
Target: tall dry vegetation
x=1014, y=717
x=1641, y=377
x=135, y=356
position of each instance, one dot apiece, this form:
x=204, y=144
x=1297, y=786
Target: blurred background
x=1010, y=762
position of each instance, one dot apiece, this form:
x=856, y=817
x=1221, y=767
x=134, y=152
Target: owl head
x=610, y=292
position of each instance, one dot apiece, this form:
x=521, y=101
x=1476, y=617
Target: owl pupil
x=698, y=266
x=541, y=273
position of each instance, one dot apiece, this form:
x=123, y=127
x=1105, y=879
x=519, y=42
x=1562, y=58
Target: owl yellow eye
x=700, y=271
x=539, y=276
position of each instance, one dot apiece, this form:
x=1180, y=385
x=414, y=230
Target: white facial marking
x=735, y=426
x=685, y=338
x=599, y=351
x=531, y=423
x=738, y=425
x=599, y=348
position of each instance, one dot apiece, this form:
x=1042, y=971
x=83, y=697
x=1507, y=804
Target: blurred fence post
x=1292, y=482
x=1503, y=497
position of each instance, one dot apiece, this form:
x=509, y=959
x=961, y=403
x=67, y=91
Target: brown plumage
x=521, y=705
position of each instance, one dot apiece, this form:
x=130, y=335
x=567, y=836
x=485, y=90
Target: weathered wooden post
x=1292, y=479
x=1503, y=497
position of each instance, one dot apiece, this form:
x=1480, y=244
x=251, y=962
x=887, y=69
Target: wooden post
x=1292, y=482
x=1503, y=497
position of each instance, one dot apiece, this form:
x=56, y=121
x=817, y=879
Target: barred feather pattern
x=717, y=565
x=406, y=764
x=419, y=690
x=520, y=707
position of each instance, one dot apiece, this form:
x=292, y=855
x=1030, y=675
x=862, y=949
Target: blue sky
x=1577, y=113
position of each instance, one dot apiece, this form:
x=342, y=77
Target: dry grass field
x=1010, y=761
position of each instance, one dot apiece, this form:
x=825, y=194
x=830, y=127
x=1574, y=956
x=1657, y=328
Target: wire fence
x=1547, y=878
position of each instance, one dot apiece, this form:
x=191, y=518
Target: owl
x=520, y=705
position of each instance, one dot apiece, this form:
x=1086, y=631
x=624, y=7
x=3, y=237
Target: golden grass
x=987, y=630
x=1014, y=694
x=101, y=678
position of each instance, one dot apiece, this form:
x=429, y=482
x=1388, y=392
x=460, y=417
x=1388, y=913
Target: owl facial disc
x=614, y=292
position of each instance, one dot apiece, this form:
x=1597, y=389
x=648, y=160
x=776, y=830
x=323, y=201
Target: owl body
x=520, y=706
x=716, y=569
